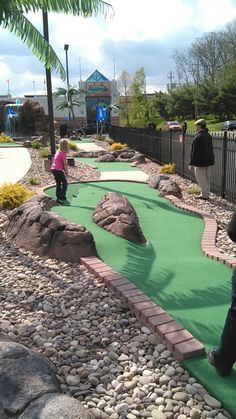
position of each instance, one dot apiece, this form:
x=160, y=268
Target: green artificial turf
x=171, y=268
x=3, y=144
x=107, y=166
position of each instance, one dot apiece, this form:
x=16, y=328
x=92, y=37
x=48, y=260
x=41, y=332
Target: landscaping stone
x=116, y=214
x=33, y=226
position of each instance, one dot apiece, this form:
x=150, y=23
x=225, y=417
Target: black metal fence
x=166, y=147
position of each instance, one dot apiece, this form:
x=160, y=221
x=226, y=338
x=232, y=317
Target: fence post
x=170, y=146
x=183, y=155
x=224, y=165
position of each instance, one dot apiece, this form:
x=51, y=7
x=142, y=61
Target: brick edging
x=177, y=339
x=209, y=235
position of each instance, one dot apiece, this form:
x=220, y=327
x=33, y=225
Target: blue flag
x=101, y=113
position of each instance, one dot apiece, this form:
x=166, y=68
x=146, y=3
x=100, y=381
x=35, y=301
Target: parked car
x=228, y=125
x=172, y=126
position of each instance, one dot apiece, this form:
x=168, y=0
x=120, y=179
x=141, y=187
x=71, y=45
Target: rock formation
x=166, y=185
x=116, y=214
x=29, y=387
x=34, y=227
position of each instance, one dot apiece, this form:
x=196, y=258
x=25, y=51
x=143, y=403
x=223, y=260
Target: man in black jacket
x=202, y=158
x=224, y=357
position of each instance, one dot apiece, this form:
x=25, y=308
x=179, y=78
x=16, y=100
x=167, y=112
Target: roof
x=96, y=77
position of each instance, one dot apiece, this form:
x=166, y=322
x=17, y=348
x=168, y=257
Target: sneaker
x=63, y=202
x=223, y=371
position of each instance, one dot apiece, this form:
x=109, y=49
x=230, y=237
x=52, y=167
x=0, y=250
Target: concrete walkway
x=135, y=176
x=14, y=164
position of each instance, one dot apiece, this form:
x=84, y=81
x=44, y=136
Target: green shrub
x=73, y=146
x=13, y=194
x=44, y=153
x=36, y=144
x=168, y=168
x=33, y=180
x=193, y=190
x=5, y=138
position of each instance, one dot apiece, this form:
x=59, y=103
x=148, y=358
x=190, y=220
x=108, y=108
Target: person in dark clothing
x=184, y=127
x=202, y=158
x=223, y=357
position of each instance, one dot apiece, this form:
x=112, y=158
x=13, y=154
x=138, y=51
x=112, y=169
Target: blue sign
x=10, y=112
x=101, y=113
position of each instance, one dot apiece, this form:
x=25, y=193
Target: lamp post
x=66, y=47
x=49, y=90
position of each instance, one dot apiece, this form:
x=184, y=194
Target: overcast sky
x=140, y=33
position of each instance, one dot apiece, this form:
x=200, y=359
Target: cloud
x=138, y=34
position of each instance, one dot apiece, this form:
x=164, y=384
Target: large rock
x=155, y=180
x=24, y=376
x=166, y=185
x=138, y=158
x=29, y=388
x=56, y=406
x=108, y=157
x=116, y=214
x=169, y=187
x=36, y=228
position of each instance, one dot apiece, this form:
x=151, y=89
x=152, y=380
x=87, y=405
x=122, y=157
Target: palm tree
x=12, y=17
x=70, y=99
x=108, y=111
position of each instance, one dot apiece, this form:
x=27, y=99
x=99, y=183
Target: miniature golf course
x=171, y=268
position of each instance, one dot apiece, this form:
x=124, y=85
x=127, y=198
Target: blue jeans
x=61, y=184
x=226, y=353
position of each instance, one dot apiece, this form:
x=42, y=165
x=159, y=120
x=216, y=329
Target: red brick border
x=177, y=339
x=149, y=313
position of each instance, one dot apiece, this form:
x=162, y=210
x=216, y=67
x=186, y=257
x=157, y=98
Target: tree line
x=206, y=74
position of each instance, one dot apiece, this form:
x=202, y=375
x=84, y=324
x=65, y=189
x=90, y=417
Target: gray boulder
x=56, y=406
x=108, y=157
x=24, y=376
x=169, y=187
x=116, y=214
x=29, y=388
x=138, y=158
x=34, y=227
x=155, y=180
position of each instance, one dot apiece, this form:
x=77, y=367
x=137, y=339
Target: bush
x=193, y=190
x=5, y=138
x=36, y=144
x=45, y=153
x=33, y=180
x=13, y=194
x=73, y=146
x=118, y=146
x=168, y=168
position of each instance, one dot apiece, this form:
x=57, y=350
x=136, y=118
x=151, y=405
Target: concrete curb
x=177, y=339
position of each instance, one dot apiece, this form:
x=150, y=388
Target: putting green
x=107, y=167
x=171, y=268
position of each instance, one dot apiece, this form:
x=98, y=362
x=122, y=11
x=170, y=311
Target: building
x=99, y=91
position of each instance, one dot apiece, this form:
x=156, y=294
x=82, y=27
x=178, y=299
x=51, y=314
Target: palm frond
x=62, y=105
x=23, y=28
x=60, y=91
x=76, y=7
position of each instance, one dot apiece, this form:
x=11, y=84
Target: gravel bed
x=116, y=367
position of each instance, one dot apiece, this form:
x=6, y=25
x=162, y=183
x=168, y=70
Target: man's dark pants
x=226, y=353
